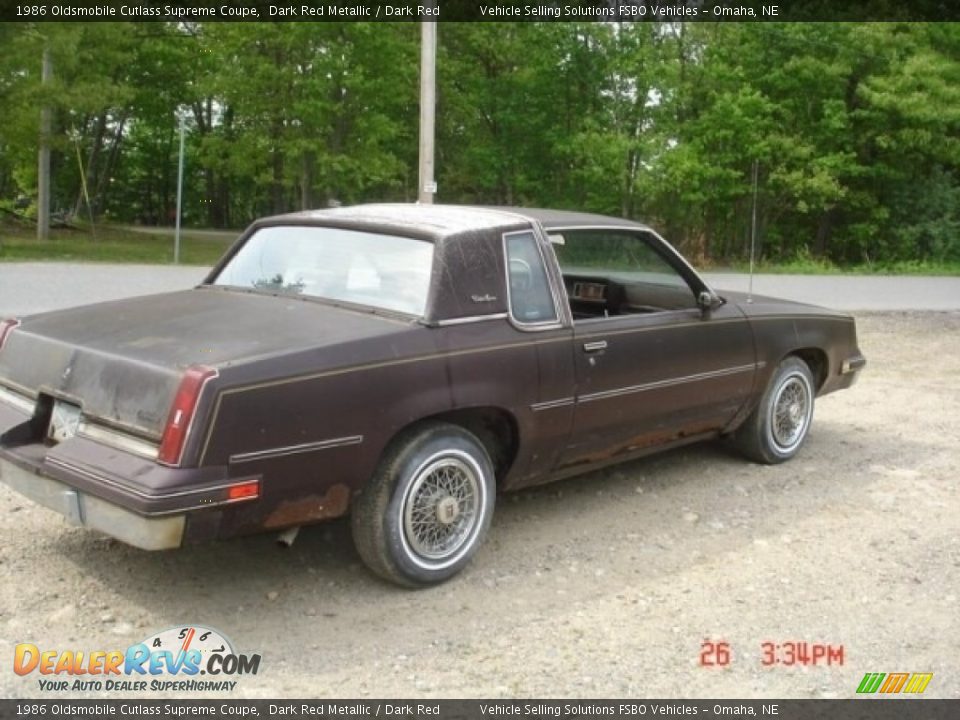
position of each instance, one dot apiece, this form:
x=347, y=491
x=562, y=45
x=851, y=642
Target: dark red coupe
x=402, y=364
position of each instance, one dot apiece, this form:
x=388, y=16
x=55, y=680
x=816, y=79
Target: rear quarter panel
x=353, y=397
x=358, y=398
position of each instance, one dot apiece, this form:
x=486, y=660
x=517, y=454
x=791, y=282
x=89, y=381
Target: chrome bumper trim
x=120, y=441
x=104, y=480
x=161, y=533
x=853, y=364
x=15, y=399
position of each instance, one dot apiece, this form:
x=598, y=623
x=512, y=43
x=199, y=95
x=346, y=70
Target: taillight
x=181, y=414
x=7, y=327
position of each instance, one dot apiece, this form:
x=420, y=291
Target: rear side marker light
x=7, y=327
x=244, y=491
x=180, y=419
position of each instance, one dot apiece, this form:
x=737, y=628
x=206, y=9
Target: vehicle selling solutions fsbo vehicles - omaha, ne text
x=403, y=364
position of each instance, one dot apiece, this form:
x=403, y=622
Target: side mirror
x=707, y=301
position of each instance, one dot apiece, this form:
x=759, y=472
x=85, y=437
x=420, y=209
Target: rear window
x=381, y=271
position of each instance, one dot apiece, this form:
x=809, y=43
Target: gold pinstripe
x=470, y=351
x=358, y=368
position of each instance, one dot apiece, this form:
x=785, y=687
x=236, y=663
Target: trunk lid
x=122, y=361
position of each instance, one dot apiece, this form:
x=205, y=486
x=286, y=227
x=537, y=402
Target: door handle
x=596, y=346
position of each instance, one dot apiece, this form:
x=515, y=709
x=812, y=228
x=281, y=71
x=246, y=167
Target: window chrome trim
x=467, y=320
x=329, y=224
x=674, y=253
x=555, y=276
x=296, y=449
x=541, y=325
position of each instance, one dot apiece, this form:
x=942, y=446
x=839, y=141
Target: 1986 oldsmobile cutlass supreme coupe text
x=402, y=364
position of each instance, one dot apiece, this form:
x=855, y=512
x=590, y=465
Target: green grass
x=822, y=267
x=18, y=242
x=804, y=263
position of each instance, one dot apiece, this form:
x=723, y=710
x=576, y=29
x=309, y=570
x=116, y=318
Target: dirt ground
x=601, y=586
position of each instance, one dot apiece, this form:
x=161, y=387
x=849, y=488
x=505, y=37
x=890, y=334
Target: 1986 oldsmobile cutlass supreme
x=401, y=364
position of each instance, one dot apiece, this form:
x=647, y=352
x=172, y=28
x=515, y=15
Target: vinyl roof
x=443, y=220
x=570, y=218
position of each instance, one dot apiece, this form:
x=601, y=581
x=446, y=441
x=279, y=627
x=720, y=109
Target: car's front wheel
x=779, y=424
x=427, y=508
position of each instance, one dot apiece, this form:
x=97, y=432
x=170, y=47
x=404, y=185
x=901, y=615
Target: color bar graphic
x=892, y=683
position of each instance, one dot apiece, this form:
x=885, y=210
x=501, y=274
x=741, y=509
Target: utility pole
x=176, y=233
x=43, y=162
x=428, y=106
x=753, y=231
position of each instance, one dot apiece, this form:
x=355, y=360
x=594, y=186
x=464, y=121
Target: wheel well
x=816, y=360
x=494, y=427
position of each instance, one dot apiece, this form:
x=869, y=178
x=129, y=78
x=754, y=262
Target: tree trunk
x=166, y=180
x=276, y=185
x=210, y=191
x=88, y=171
x=824, y=231
x=306, y=181
x=103, y=181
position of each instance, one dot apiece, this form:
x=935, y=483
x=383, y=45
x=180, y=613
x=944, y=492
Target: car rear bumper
x=105, y=488
x=850, y=371
x=853, y=364
x=84, y=509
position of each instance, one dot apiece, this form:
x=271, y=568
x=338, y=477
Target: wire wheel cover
x=791, y=412
x=441, y=509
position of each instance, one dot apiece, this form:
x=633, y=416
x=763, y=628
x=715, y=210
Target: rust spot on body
x=312, y=508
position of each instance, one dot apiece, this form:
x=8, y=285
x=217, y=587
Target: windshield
x=382, y=271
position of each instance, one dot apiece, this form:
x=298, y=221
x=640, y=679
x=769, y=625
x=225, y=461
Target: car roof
x=438, y=221
x=570, y=218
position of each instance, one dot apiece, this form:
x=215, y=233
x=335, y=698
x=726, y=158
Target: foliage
x=852, y=128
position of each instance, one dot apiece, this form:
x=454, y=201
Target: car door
x=542, y=325
x=652, y=366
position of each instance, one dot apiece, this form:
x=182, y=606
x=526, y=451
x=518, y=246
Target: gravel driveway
x=604, y=585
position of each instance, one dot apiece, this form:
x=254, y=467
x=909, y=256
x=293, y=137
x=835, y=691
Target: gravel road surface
x=604, y=585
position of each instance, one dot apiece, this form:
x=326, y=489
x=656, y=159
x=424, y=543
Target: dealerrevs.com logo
x=181, y=659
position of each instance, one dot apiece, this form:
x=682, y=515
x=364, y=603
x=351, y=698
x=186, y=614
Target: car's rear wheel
x=778, y=426
x=427, y=508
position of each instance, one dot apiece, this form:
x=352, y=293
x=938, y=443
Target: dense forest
x=853, y=128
